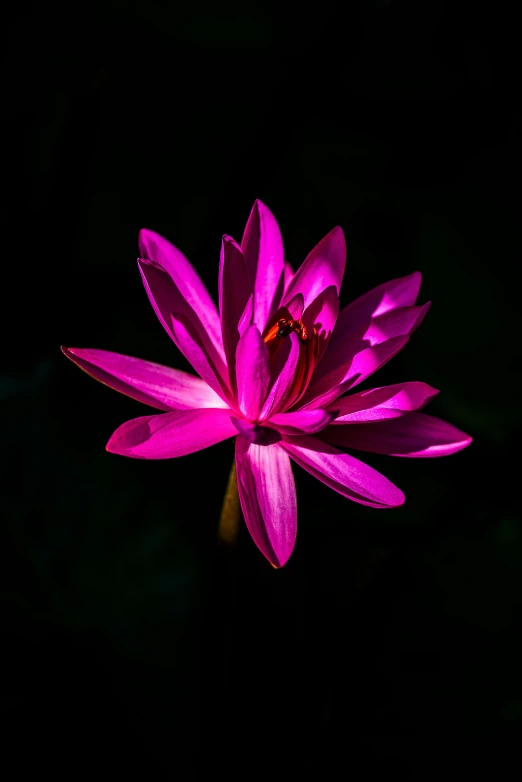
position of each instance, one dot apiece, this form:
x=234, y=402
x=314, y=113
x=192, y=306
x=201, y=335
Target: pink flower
x=274, y=364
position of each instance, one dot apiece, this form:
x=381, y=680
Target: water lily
x=273, y=365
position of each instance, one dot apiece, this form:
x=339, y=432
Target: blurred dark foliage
x=390, y=643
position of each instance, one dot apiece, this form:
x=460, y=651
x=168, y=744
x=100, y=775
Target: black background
x=390, y=642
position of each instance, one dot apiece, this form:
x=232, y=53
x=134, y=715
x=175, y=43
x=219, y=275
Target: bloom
x=274, y=364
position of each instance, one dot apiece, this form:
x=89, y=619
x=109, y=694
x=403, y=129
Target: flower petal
x=262, y=248
x=302, y=421
x=287, y=359
x=415, y=435
x=235, y=291
x=288, y=274
x=339, y=378
x=166, y=299
x=268, y=500
x=252, y=371
x=193, y=348
x=343, y=472
x=322, y=314
x=152, y=384
x=395, y=323
x=323, y=267
x=346, y=342
x=171, y=434
x=391, y=295
x=378, y=404
x=154, y=247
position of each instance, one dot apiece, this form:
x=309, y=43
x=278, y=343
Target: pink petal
x=322, y=314
x=378, y=404
x=268, y=500
x=152, y=384
x=395, y=323
x=288, y=274
x=154, y=247
x=401, y=292
x=166, y=299
x=262, y=247
x=302, y=421
x=347, y=341
x=193, y=348
x=252, y=371
x=171, y=434
x=235, y=292
x=330, y=381
x=416, y=434
x=343, y=472
x=323, y=267
x=287, y=359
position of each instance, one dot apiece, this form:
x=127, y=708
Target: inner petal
x=280, y=327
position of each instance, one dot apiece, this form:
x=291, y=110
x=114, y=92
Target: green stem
x=230, y=511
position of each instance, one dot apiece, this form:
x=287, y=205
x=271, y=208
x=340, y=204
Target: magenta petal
x=171, y=434
x=166, y=299
x=235, y=291
x=350, y=339
x=279, y=394
x=152, y=384
x=193, y=348
x=340, y=378
x=252, y=372
x=322, y=314
x=262, y=248
x=323, y=267
x=302, y=421
x=288, y=274
x=415, y=435
x=395, y=323
x=154, y=247
x=378, y=404
x=268, y=500
x=401, y=292
x=343, y=473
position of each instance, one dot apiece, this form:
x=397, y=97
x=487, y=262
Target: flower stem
x=230, y=511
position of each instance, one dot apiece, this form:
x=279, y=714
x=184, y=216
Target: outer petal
x=268, y=500
x=167, y=299
x=262, y=247
x=152, y=384
x=253, y=372
x=323, y=267
x=302, y=422
x=235, y=292
x=382, y=403
x=339, y=378
x=288, y=274
x=343, y=473
x=154, y=247
x=171, y=434
x=416, y=434
x=401, y=292
x=195, y=350
x=395, y=323
x=347, y=342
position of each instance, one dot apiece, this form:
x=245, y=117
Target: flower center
x=308, y=352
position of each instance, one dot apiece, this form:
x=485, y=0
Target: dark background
x=390, y=642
